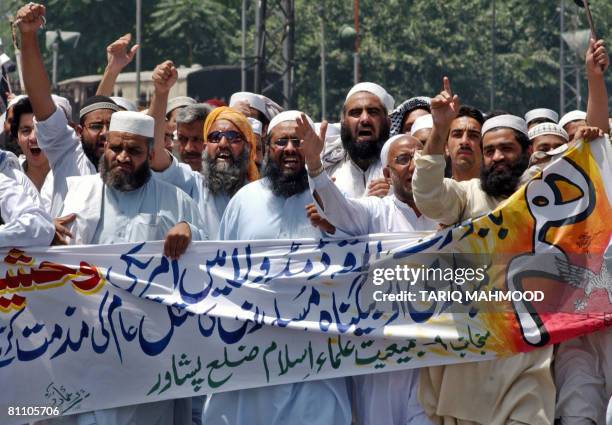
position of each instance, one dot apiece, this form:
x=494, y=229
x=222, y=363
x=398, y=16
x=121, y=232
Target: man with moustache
x=228, y=162
x=364, y=129
x=125, y=204
x=174, y=105
x=513, y=390
x=463, y=146
x=94, y=119
x=272, y=208
x=382, y=398
x=190, y=141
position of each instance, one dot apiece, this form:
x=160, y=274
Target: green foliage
x=405, y=45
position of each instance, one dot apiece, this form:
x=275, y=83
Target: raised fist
x=30, y=18
x=164, y=76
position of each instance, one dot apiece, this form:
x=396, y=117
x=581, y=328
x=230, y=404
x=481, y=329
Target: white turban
x=288, y=116
x=385, y=98
x=548, y=128
x=539, y=113
x=424, y=121
x=507, y=121
x=257, y=101
x=133, y=123
x=572, y=116
x=255, y=125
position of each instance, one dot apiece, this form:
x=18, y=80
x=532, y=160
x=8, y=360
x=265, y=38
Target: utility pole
x=561, y=58
x=356, y=53
x=138, y=28
x=323, y=82
x=243, y=69
x=493, y=28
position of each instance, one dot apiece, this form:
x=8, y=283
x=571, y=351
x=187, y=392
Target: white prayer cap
x=507, y=121
x=179, y=102
x=256, y=125
x=124, y=103
x=572, y=116
x=132, y=122
x=424, y=121
x=378, y=91
x=548, y=128
x=539, y=113
x=64, y=104
x=288, y=116
x=384, y=152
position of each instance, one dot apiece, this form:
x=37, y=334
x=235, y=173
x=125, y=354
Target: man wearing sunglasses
x=273, y=208
x=227, y=152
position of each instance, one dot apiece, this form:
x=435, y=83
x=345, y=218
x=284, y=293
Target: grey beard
x=225, y=178
x=124, y=182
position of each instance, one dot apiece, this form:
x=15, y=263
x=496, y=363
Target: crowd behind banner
x=184, y=171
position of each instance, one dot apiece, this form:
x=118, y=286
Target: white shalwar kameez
x=382, y=398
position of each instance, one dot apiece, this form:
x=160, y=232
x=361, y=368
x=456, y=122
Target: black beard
x=368, y=151
x=503, y=182
x=91, y=154
x=285, y=185
x=223, y=177
x=121, y=181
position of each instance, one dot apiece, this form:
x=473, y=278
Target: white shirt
x=10, y=166
x=369, y=214
x=25, y=222
x=66, y=158
x=382, y=398
x=105, y=215
x=210, y=205
x=351, y=179
x=583, y=373
x=256, y=213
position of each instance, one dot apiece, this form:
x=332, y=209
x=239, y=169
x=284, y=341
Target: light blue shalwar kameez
x=256, y=213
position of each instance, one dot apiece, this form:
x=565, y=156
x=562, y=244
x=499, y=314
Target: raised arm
x=118, y=56
x=444, y=109
x=29, y=19
x=164, y=76
x=597, y=62
x=438, y=198
x=348, y=215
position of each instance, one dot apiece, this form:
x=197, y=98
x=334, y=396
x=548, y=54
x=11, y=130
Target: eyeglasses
x=96, y=127
x=284, y=142
x=231, y=136
x=403, y=159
